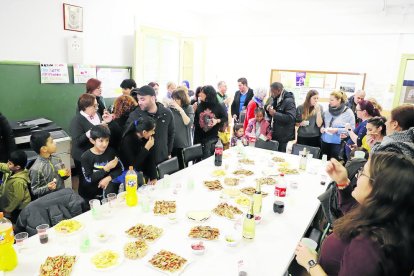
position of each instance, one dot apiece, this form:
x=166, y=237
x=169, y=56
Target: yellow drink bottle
x=131, y=186
x=8, y=257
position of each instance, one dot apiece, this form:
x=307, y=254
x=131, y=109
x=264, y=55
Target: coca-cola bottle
x=218, y=154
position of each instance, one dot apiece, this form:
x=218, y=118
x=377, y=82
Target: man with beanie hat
x=164, y=128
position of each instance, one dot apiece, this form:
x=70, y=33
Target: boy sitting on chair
x=14, y=192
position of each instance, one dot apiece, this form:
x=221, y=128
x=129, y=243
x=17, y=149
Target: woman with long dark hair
x=309, y=120
x=137, y=147
x=374, y=237
x=209, y=116
x=376, y=131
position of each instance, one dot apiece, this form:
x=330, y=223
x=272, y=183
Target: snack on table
x=146, y=232
x=105, y=259
x=246, y=161
x=227, y=211
x=288, y=171
x=251, y=190
x=164, y=207
x=219, y=172
x=243, y=200
x=266, y=181
x=204, y=232
x=213, y=185
x=68, y=226
x=278, y=159
x=243, y=172
x=136, y=249
x=167, y=261
x=231, y=181
x=58, y=265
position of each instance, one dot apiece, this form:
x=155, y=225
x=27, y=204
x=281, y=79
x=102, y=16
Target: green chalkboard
x=22, y=96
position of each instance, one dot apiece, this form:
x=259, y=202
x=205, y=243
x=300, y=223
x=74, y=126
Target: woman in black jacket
x=137, y=148
x=123, y=106
x=209, y=116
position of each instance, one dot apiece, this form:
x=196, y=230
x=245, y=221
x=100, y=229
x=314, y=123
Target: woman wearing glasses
x=374, y=237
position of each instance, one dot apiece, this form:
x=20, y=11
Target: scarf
x=336, y=111
x=258, y=101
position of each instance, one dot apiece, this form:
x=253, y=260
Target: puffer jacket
x=14, y=192
x=50, y=209
x=399, y=142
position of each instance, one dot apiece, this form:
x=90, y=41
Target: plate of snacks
x=147, y=232
x=106, y=260
x=266, y=181
x=228, y=211
x=286, y=170
x=164, y=207
x=251, y=190
x=243, y=201
x=229, y=181
x=246, y=161
x=219, y=172
x=213, y=185
x=68, y=227
x=243, y=172
x=168, y=262
x=278, y=159
x=136, y=249
x=204, y=232
x=58, y=265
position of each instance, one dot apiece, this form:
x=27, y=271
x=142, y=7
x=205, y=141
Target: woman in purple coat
x=374, y=237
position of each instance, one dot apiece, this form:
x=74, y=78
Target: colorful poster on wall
x=300, y=78
x=111, y=78
x=82, y=73
x=54, y=73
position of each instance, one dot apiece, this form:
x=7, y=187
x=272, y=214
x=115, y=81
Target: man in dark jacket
x=283, y=113
x=353, y=102
x=241, y=98
x=7, y=144
x=164, y=128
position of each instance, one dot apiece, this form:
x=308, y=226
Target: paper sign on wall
x=54, y=73
x=82, y=73
x=111, y=78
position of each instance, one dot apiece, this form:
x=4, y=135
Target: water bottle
x=218, y=154
x=8, y=256
x=303, y=159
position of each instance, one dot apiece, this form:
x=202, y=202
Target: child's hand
x=111, y=164
x=52, y=185
x=68, y=172
x=104, y=182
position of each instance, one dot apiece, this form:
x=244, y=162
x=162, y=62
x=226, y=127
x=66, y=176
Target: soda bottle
x=8, y=256
x=218, y=154
x=249, y=225
x=257, y=202
x=131, y=185
x=280, y=189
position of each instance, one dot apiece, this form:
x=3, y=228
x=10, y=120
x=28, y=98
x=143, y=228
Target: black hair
x=100, y=131
x=276, y=86
x=134, y=94
x=211, y=94
x=142, y=123
x=128, y=83
x=259, y=110
x=39, y=140
x=237, y=127
x=379, y=121
x=18, y=158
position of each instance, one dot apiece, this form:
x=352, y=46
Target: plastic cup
x=85, y=243
x=42, y=233
x=106, y=207
x=20, y=238
x=145, y=204
x=95, y=204
x=111, y=197
x=309, y=243
x=190, y=184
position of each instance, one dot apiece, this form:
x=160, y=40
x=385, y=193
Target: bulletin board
x=301, y=81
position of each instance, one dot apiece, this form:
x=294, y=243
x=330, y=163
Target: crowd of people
x=142, y=130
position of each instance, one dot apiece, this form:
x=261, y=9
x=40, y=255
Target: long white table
x=268, y=254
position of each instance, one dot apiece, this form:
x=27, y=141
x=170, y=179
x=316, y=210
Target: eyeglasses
x=361, y=173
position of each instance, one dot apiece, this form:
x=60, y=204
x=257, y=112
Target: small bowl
x=102, y=236
x=231, y=240
x=198, y=248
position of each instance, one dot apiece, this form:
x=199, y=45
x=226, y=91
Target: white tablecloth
x=268, y=254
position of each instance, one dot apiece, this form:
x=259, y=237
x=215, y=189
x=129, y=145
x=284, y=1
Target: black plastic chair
x=193, y=154
x=315, y=151
x=269, y=144
x=168, y=167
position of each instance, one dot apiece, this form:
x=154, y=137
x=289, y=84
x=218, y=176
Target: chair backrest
x=296, y=148
x=269, y=144
x=193, y=153
x=167, y=167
